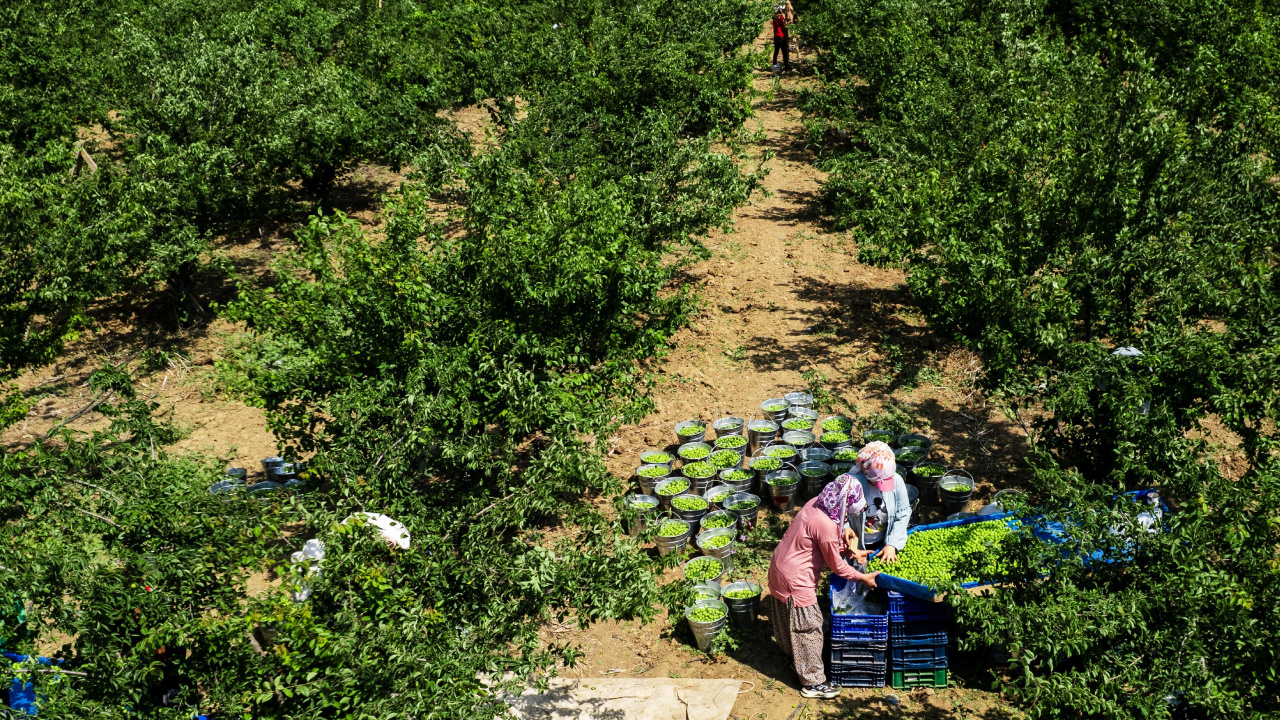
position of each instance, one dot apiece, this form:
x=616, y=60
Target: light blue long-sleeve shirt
x=897, y=509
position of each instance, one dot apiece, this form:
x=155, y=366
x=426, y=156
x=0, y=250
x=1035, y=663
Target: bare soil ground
x=784, y=296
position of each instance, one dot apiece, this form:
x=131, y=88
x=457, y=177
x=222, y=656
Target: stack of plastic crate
x=917, y=642
x=858, y=646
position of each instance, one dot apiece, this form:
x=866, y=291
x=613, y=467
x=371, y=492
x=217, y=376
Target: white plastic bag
x=312, y=552
x=393, y=532
x=852, y=599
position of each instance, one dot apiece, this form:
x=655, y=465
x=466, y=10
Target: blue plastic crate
x=857, y=676
x=919, y=657
x=918, y=633
x=856, y=628
x=869, y=633
x=906, y=609
x=857, y=654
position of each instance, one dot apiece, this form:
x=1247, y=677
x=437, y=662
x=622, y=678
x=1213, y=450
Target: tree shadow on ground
x=897, y=351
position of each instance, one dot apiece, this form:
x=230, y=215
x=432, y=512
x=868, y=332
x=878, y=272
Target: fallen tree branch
x=92, y=404
x=96, y=515
x=102, y=490
x=475, y=517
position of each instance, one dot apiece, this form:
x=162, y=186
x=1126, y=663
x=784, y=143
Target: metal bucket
x=729, y=460
x=797, y=423
x=816, y=479
x=815, y=454
x=913, y=497
x=842, y=422
x=644, y=507
x=669, y=484
x=928, y=485
x=799, y=399
x=690, y=516
x=746, y=517
x=715, y=490
x=704, y=633
x=742, y=610
x=699, y=445
x=870, y=434
x=728, y=426
x=692, y=437
x=697, y=485
x=925, y=443
x=761, y=473
x=783, y=485
x=724, y=553
x=780, y=413
x=716, y=514
x=807, y=413
x=840, y=468
x=673, y=543
x=239, y=474
x=834, y=445
x=650, y=484
x=709, y=590
x=647, y=457
x=761, y=432
x=724, y=568
x=728, y=443
x=901, y=459
x=799, y=439
x=746, y=484
x=272, y=465
x=957, y=500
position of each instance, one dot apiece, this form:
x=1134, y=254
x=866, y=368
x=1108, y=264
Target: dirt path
x=784, y=296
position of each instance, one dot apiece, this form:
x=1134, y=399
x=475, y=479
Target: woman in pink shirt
x=817, y=537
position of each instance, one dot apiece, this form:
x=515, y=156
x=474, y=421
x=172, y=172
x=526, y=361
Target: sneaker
x=825, y=690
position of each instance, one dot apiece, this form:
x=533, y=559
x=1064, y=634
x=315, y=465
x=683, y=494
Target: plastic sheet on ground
x=394, y=533
x=628, y=699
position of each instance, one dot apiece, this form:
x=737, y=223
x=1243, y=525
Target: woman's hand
x=850, y=538
x=860, y=556
x=889, y=554
x=870, y=579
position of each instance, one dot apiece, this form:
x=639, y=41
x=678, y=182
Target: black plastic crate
x=858, y=675
x=857, y=654
x=919, y=657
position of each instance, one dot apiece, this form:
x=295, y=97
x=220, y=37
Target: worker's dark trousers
x=783, y=44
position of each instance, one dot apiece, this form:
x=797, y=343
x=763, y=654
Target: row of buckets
x=279, y=474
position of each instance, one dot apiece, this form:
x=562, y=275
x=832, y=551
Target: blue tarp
x=1050, y=532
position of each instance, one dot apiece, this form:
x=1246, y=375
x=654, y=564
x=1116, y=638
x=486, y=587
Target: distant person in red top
x=782, y=17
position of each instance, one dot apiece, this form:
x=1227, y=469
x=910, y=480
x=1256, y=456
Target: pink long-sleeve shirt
x=810, y=544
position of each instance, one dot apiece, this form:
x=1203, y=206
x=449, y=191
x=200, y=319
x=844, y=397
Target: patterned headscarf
x=839, y=498
x=877, y=463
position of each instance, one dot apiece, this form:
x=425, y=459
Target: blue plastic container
x=919, y=657
x=905, y=609
x=22, y=697
x=856, y=628
x=929, y=633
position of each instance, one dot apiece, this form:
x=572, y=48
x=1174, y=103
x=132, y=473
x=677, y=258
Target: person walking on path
x=815, y=541
x=782, y=19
